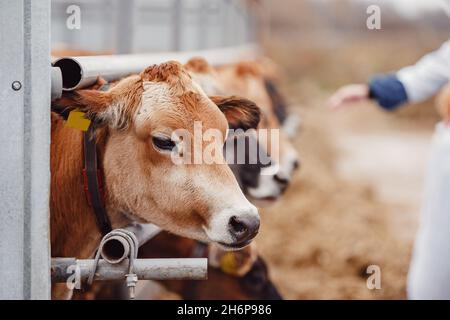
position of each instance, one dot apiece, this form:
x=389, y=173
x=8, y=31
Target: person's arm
x=428, y=75
x=388, y=91
x=410, y=84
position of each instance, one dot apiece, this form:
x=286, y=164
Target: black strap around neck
x=93, y=181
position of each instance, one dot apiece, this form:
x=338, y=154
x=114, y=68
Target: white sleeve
x=428, y=75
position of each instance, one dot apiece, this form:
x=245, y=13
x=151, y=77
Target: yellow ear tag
x=228, y=263
x=77, y=120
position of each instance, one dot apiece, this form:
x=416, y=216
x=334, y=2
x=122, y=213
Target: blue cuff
x=388, y=91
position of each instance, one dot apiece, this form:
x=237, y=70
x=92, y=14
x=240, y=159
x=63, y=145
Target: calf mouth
x=264, y=198
x=263, y=201
x=268, y=198
x=234, y=246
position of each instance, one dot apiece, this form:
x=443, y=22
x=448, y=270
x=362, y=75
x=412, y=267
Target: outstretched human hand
x=348, y=94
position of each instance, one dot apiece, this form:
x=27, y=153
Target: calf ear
x=198, y=65
x=94, y=103
x=240, y=113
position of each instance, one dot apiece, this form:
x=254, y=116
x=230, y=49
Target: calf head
x=142, y=114
x=247, y=79
x=246, y=156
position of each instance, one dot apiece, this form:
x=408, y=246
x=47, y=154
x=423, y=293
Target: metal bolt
x=16, y=85
x=132, y=279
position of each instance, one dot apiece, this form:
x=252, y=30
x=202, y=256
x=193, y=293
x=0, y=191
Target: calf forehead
x=178, y=108
x=199, y=107
x=157, y=94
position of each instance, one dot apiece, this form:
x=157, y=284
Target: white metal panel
x=25, y=149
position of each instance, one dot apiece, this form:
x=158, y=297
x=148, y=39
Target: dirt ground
x=354, y=203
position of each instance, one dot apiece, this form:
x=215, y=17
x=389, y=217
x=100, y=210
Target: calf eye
x=163, y=143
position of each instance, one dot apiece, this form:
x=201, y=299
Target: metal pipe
x=115, y=249
x=125, y=26
x=81, y=72
x=176, y=25
x=145, y=269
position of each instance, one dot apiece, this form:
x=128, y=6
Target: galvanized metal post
x=25, y=149
x=227, y=25
x=202, y=18
x=176, y=25
x=125, y=24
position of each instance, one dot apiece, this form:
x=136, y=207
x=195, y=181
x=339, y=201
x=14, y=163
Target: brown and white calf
x=250, y=278
x=135, y=120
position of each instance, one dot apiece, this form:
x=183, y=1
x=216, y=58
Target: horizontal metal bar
x=81, y=72
x=146, y=269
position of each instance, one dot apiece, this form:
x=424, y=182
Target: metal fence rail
x=145, y=269
x=80, y=72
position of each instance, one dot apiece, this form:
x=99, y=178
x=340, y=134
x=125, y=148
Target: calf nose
x=296, y=164
x=243, y=228
x=281, y=180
